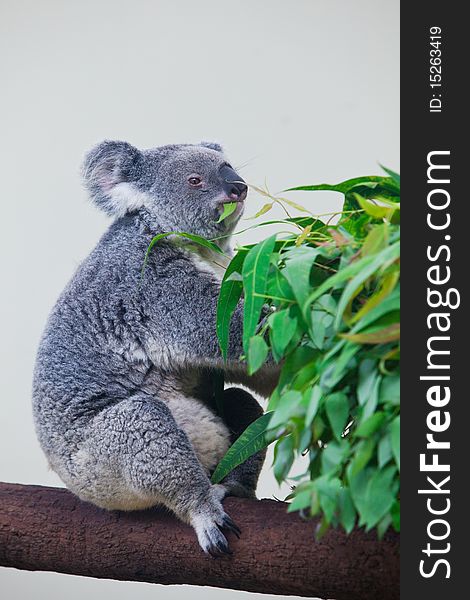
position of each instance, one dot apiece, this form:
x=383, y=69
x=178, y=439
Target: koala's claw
x=227, y=523
x=210, y=522
x=220, y=549
x=213, y=541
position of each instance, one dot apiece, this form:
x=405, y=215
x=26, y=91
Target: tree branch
x=49, y=529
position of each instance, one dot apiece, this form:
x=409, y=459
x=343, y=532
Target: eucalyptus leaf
x=252, y=440
x=395, y=439
x=371, y=424
x=328, y=489
x=282, y=328
x=395, y=177
x=229, y=296
x=384, y=453
x=337, y=409
x=257, y=353
x=297, y=271
x=358, y=271
x=370, y=265
x=255, y=272
x=302, y=500
x=283, y=457
x=315, y=395
x=229, y=208
x=286, y=406
x=347, y=512
x=342, y=187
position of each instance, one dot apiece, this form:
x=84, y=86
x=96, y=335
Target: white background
x=299, y=92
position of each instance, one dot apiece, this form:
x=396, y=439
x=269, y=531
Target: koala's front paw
x=209, y=520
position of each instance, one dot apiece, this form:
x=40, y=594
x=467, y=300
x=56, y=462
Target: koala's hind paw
x=210, y=537
x=208, y=522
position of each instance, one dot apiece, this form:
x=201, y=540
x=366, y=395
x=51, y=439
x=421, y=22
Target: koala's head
x=178, y=188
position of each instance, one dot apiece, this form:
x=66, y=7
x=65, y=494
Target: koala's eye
x=195, y=180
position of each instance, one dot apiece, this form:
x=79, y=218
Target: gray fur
x=123, y=386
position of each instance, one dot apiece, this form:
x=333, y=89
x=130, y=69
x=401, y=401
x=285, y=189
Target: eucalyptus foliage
x=328, y=299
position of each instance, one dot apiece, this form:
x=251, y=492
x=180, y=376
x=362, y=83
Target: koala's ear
x=109, y=171
x=213, y=146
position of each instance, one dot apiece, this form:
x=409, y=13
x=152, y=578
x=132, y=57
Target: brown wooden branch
x=49, y=529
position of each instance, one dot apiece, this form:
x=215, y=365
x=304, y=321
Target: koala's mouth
x=240, y=202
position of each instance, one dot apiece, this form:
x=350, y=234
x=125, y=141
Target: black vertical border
x=422, y=132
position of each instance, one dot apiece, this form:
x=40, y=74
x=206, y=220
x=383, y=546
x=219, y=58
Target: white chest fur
x=209, y=261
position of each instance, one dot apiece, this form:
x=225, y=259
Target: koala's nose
x=233, y=184
x=238, y=190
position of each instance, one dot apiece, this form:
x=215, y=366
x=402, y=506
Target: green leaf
x=395, y=511
x=286, y=405
x=356, y=225
x=393, y=175
x=282, y=328
x=252, y=440
x=372, y=209
x=347, y=512
x=299, y=264
x=384, y=453
x=371, y=424
x=315, y=397
x=333, y=456
x=278, y=287
x=322, y=316
x=328, y=489
x=359, y=271
x=391, y=304
x=283, y=457
x=337, y=410
x=255, y=272
x=305, y=438
x=257, y=353
x=229, y=208
x=383, y=525
x=342, y=187
x=295, y=361
x=367, y=381
x=301, y=500
x=335, y=368
x=368, y=408
x=386, y=287
x=376, y=240
x=229, y=295
x=389, y=392
x=362, y=455
x=395, y=439
x=370, y=264
x=372, y=494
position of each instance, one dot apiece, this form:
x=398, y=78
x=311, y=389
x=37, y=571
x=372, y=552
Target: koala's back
x=91, y=355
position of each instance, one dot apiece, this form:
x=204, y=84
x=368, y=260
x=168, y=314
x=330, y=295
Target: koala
x=123, y=388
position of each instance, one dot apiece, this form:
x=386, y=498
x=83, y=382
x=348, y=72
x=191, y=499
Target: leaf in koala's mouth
x=229, y=208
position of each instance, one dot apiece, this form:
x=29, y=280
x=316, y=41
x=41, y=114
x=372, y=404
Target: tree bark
x=49, y=529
